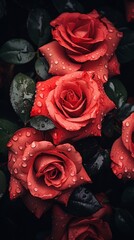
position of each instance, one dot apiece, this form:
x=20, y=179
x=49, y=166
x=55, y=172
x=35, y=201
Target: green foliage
x=22, y=92
x=7, y=129
x=38, y=26
x=41, y=123
x=17, y=51
x=116, y=91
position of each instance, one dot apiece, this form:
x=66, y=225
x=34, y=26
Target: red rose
x=129, y=9
x=83, y=41
x=41, y=169
x=122, y=151
x=76, y=103
x=65, y=226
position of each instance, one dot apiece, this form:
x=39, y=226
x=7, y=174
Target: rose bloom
x=41, y=171
x=95, y=227
x=129, y=10
x=82, y=42
x=122, y=151
x=76, y=103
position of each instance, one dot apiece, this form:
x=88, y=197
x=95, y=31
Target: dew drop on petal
x=33, y=145
x=69, y=149
x=9, y=144
x=39, y=104
x=15, y=138
x=24, y=158
x=41, y=95
x=35, y=189
x=56, y=62
x=28, y=134
x=18, y=190
x=119, y=175
x=24, y=165
x=127, y=124
x=29, y=183
x=15, y=170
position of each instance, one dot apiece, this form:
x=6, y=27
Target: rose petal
x=15, y=188
x=127, y=133
x=122, y=162
x=129, y=10
x=113, y=66
x=36, y=205
x=99, y=67
x=113, y=37
x=58, y=61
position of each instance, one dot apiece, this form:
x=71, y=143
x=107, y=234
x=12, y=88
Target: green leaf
x=38, y=26
x=7, y=129
x=22, y=91
x=41, y=67
x=17, y=51
x=68, y=6
x=116, y=91
x=3, y=184
x=41, y=123
x=124, y=222
x=82, y=202
x=123, y=112
x=125, y=50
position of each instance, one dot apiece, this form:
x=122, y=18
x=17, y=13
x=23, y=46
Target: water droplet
x=14, y=159
x=15, y=170
x=64, y=67
x=56, y=62
x=69, y=149
x=16, y=152
x=35, y=189
x=48, y=49
x=110, y=30
x=127, y=124
x=31, y=154
x=20, y=147
x=50, y=54
x=81, y=178
x=28, y=134
x=105, y=66
x=39, y=104
x=119, y=34
x=55, y=136
x=74, y=179
x=125, y=170
x=29, y=183
x=72, y=174
x=24, y=158
x=42, y=95
x=113, y=44
x=126, y=140
x=109, y=38
x=15, y=138
x=121, y=157
x=24, y=165
x=99, y=126
x=105, y=77
x=33, y=145
x=9, y=144
x=18, y=190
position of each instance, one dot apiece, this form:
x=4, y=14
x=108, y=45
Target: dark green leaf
x=82, y=202
x=124, y=222
x=98, y=163
x=22, y=91
x=3, y=184
x=41, y=67
x=125, y=111
x=125, y=50
x=17, y=51
x=116, y=91
x=127, y=198
x=41, y=123
x=7, y=129
x=38, y=26
x=68, y=6
x=113, y=15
